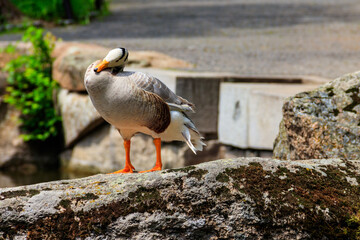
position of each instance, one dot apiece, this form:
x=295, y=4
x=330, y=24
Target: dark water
x=18, y=178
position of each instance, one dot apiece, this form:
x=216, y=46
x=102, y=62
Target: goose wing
x=158, y=113
x=154, y=85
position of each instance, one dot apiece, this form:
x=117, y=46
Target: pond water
x=18, y=178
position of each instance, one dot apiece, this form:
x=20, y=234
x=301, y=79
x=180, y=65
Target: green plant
x=8, y=49
x=31, y=87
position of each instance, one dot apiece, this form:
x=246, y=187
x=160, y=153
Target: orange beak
x=101, y=66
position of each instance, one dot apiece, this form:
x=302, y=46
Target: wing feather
x=154, y=85
x=160, y=118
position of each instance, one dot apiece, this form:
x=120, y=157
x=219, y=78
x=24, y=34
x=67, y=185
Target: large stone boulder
x=79, y=115
x=72, y=60
x=102, y=150
x=226, y=199
x=323, y=123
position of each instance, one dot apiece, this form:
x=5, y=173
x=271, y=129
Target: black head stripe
x=127, y=55
x=123, y=54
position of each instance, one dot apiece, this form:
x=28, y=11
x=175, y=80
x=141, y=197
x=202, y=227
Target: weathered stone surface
x=103, y=151
x=323, y=123
x=72, y=60
x=78, y=115
x=14, y=152
x=227, y=199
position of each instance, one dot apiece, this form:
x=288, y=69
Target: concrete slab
x=233, y=114
x=249, y=114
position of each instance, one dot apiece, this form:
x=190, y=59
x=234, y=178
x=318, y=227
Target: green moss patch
x=355, y=99
x=198, y=174
x=88, y=196
x=19, y=193
x=222, y=177
x=325, y=203
x=185, y=169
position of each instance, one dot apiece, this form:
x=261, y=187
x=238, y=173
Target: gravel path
x=257, y=37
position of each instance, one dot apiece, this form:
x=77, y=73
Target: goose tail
x=192, y=136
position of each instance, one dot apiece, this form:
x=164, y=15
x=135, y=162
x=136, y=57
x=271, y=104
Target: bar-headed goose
x=135, y=102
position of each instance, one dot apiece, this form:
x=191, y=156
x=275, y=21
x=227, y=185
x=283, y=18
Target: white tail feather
x=181, y=128
x=192, y=136
x=187, y=137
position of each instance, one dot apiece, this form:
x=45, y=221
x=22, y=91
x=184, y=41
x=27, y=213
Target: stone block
x=233, y=118
x=250, y=114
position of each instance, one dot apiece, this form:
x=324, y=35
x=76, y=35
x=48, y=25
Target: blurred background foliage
x=40, y=9
x=22, y=13
x=31, y=87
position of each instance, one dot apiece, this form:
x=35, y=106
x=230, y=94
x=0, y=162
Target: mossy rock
x=322, y=123
x=246, y=198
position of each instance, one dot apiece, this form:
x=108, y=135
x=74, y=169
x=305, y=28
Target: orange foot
x=125, y=170
x=156, y=168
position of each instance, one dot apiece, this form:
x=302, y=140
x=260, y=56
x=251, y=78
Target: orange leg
x=128, y=166
x=158, y=165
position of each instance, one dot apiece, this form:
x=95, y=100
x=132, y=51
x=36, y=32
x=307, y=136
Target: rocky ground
x=241, y=198
x=247, y=37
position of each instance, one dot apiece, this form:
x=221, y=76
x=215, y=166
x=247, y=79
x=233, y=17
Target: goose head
x=116, y=58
